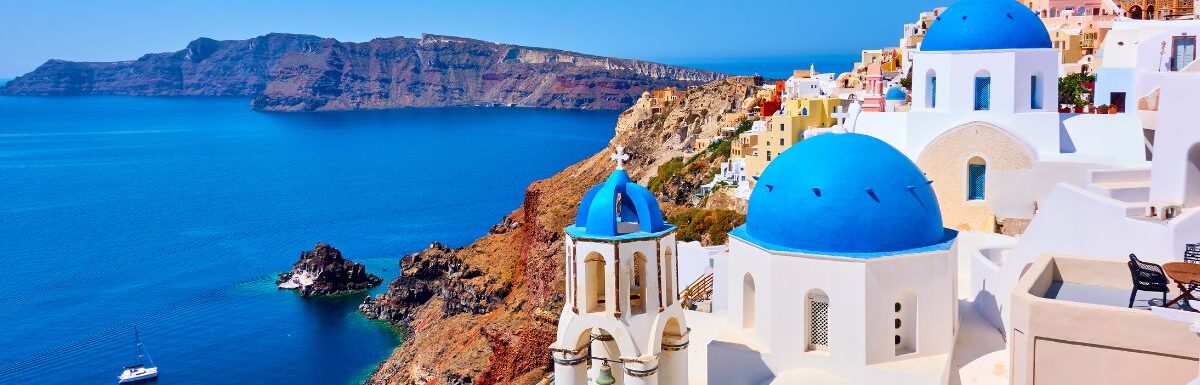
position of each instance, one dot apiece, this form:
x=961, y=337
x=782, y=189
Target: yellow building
x=1070, y=43
x=786, y=129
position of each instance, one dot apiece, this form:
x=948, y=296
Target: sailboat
x=143, y=370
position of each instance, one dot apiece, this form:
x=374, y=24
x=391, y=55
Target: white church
x=868, y=255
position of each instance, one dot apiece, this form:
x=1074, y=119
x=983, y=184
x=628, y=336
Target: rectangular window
x=976, y=174
x=933, y=92
x=983, y=93
x=818, y=322
x=768, y=156
x=1035, y=93
x=780, y=141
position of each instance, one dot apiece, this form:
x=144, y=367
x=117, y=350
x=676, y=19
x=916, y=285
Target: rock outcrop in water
x=323, y=271
x=284, y=72
x=486, y=313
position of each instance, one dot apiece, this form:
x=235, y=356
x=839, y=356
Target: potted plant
x=1113, y=110
x=1102, y=109
x=1079, y=106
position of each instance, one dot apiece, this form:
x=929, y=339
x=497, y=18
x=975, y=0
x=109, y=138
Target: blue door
x=1183, y=52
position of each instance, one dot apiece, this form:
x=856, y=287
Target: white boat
x=141, y=371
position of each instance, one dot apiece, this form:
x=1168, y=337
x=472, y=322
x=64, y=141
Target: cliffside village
x=1011, y=195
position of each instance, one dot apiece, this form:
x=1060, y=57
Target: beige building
x=786, y=129
x=1070, y=325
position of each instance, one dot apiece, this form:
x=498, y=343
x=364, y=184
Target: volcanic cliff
x=285, y=72
x=486, y=313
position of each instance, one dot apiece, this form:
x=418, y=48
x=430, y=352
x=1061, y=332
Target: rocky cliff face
x=485, y=313
x=323, y=271
x=285, y=72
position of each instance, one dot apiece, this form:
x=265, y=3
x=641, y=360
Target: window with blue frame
x=1035, y=93
x=933, y=92
x=976, y=179
x=983, y=93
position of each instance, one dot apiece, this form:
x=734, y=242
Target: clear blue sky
x=32, y=31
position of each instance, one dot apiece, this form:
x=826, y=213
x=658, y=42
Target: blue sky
x=33, y=31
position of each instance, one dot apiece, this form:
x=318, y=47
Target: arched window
x=804, y=111
x=748, y=305
x=976, y=178
x=637, y=294
x=818, y=320
x=905, y=323
x=668, y=275
x=1035, y=92
x=931, y=89
x=983, y=91
x=1135, y=12
x=594, y=284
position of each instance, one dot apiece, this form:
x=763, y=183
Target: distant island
x=288, y=72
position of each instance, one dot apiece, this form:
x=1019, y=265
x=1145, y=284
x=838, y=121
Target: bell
x=605, y=377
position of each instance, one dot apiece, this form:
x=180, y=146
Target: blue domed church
x=843, y=272
x=622, y=320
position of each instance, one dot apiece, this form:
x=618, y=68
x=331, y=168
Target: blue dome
x=986, y=24
x=844, y=194
x=598, y=216
x=896, y=93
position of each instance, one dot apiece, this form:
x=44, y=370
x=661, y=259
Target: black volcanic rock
x=434, y=273
x=286, y=72
x=323, y=271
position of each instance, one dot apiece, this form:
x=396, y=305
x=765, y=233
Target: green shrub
x=711, y=226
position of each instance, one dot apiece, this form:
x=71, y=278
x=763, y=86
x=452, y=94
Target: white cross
x=620, y=156
x=840, y=116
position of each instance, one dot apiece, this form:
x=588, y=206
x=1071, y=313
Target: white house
x=1137, y=53
x=842, y=272
x=1153, y=212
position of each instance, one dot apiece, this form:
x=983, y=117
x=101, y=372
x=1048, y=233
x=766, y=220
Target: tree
x=1071, y=88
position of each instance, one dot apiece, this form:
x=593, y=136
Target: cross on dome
x=840, y=115
x=620, y=156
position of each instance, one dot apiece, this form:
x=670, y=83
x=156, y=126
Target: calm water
x=772, y=67
x=175, y=214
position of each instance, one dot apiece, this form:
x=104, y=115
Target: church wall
x=638, y=326
x=932, y=277
x=861, y=293
x=945, y=162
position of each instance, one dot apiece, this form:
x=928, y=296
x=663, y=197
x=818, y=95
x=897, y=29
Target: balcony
x=1071, y=323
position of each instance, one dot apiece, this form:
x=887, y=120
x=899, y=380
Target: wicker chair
x=1147, y=277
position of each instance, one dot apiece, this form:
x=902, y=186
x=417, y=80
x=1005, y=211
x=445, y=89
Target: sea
x=174, y=215
x=771, y=67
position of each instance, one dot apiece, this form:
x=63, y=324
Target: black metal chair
x=1147, y=277
x=1191, y=253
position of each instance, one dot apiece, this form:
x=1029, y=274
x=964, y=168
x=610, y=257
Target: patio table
x=1186, y=276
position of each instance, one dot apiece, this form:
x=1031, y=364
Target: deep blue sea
x=773, y=67
x=175, y=214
